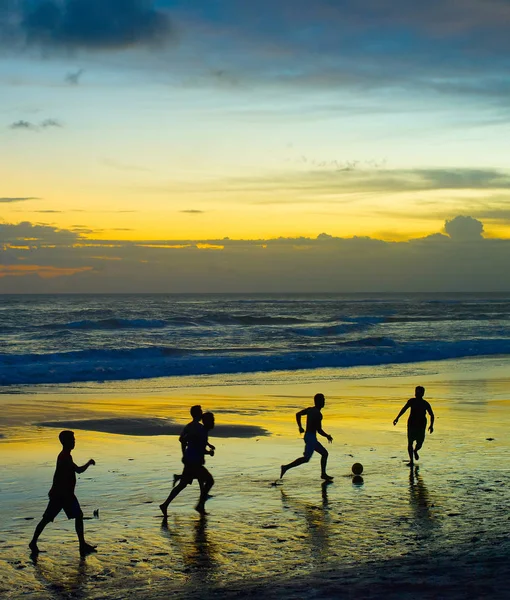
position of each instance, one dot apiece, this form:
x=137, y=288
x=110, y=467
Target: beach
x=438, y=531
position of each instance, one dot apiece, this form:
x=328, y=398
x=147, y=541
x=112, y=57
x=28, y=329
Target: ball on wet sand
x=357, y=468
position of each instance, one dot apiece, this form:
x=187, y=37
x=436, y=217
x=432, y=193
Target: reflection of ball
x=357, y=468
x=357, y=480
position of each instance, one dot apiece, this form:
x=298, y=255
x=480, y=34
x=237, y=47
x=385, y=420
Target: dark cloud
x=462, y=260
x=23, y=125
x=10, y=233
x=74, y=77
x=193, y=212
x=28, y=126
x=50, y=123
x=464, y=229
x=94, y=24
x=9, y=200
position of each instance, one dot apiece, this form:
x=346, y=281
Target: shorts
x=416, y=433
x=312, y=445
x=69, y=504
x=192, y=472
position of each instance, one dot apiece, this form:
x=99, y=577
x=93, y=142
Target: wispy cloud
x=193, y=212
x=74, y=77
x=11, y=200
x=29, y=126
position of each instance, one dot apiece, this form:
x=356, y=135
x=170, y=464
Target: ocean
x=52, y=339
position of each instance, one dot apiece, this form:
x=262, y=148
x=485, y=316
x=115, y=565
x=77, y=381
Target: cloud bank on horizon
x=42, y=259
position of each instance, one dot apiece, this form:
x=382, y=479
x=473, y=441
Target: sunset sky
x=126, y=121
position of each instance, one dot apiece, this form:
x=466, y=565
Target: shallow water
x=456, y=500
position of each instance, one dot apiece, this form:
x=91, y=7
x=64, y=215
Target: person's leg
x=175, y=492
x=84, y=547
x=324, y=460
x=419, y=443
x=410, y=451
x=206, y=482
x=38, y=530
x=310, y=441
x=299, y=461
x=52, y=510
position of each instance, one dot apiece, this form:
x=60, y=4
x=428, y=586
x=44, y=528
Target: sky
x=222, y=145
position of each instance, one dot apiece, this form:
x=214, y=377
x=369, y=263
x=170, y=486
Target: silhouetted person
x=417, y=422
x=62, y=495
x=188, y=433
x=194, y=441
x=313, y=427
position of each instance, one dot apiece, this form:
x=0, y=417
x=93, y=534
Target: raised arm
x=431, y=413
x=85, y=466
x=401, y=412
x=299, y=415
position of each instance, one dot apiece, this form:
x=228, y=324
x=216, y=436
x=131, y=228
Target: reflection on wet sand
x=420, y=501
x=68, y=581
x=198, y=554
x=317, y=522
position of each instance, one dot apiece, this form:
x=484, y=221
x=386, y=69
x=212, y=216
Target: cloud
x=23, y=125
x=44, y=272
x=350, y=181
x=461, y=260
x=464, y=229
x=50, y=123
x=14, y=233
x=28, y=126
x=9, y=200
x=94, y=24
x=74, y=77
x=192, y=211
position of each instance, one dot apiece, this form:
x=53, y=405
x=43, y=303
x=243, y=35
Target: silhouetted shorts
x=312, y=445
x=69, y=504
x=416, y=433
x=196, y=471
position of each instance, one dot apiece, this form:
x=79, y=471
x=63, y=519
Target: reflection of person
x=417, y=422
x=194, y=442
x=420, y=501
x=317, y=520
x=62, y=494
x=313, y=427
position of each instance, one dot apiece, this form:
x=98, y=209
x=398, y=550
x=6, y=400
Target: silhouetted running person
x=417, y=422
x=62, y=494
x=313, y=427
x=194, y=442
x=209, y=448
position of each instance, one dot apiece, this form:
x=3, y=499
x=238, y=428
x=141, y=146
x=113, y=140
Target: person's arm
x=401, y=413
x=210, y=446
x=324, y=434
x=183, y=439
x=431, y=413
x=299, y=415
x=85, y=466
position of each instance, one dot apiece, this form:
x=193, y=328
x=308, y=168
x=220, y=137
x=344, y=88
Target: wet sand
x=440, y=531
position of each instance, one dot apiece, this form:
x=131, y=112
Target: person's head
x=67, y=439
x=419, y=391
x=196, y=412
x=208, y=420
x=319, y=400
